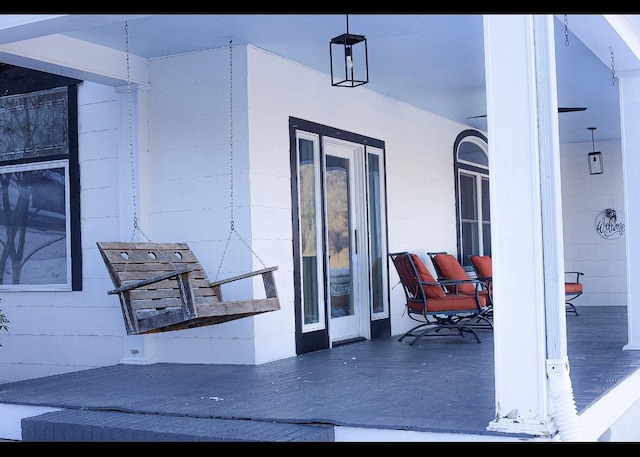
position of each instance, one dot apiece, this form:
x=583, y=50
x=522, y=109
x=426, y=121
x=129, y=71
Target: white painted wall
x=189, y=200
x=583, y=197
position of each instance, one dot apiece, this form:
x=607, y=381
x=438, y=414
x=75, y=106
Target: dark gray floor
x=440, y=385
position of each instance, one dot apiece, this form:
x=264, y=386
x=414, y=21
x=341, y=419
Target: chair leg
x=412, y=331
x=572, y=308
x=436, y=328
x=481, y=322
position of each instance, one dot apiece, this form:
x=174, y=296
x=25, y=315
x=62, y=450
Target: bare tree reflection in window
x=34, y=201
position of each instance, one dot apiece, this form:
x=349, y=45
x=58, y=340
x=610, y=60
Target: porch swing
x=162, y=286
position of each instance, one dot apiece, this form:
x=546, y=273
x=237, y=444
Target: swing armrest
x=152, y=280
x=267, y=279
x=242, y=276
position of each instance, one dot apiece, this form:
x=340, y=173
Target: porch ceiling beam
x=75, y=58
x=604, y=34
x=19, y=27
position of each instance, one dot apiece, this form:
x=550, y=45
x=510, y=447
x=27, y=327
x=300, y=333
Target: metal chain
x=232, y=226
x=231, y=130
x=131, y=155
x=613, y=67
x=136, y=226
x=232, y=229
x=566, y=30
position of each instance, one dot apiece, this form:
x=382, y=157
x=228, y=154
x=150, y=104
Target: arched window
x=473, y=220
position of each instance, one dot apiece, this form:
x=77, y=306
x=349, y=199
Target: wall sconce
x=348, y=54
x=596, y=167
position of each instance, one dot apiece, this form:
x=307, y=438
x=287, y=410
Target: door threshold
x=348, y=341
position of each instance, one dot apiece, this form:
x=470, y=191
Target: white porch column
x=526, y=219
x=133, y=164
x=630, y=135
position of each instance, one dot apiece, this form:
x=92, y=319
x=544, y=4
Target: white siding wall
x=58, y=332
x=188, y=180
x=583, y=196
x=419, y=154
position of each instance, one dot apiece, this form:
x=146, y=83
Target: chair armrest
x=457, y=282
x=577, y=273
x=146, y=282
x=242, y=276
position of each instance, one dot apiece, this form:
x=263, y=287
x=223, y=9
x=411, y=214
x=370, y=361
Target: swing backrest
x=133, y=262
x=159, y=279
x=162, y=287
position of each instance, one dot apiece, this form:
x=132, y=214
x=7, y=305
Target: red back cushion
x=482, y=264
x=425, y=275
x=450, y=268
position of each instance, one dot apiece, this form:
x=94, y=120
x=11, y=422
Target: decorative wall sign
x=610, y=223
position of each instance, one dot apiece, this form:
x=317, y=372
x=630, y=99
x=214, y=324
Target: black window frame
x=16, y=80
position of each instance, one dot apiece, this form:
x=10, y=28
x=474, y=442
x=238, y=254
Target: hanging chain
x=131, y=155
x=613, y=67
x=566, y=30
x=232, y=227
x=231, y=130
x=136, y=226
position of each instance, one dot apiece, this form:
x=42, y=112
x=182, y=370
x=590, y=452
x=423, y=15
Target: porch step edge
x=108, y=426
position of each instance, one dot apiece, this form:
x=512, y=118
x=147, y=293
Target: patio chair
x=448, y=268
x=572, y=288
x=441, y=311
x=482, y=266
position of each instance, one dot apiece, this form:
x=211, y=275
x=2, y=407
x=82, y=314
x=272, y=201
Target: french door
x=340, y=243
x=342, y=220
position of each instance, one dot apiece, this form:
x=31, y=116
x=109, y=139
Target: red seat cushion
x=449, y=303
x=573, y=288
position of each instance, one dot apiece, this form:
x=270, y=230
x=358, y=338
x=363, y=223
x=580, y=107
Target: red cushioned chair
x=448, y=268
x=572, y=288
x=484, y=271
x=437, y=305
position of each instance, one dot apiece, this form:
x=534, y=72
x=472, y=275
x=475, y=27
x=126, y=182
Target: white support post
x=133, y=153
x=513, y=116
x=630, y=118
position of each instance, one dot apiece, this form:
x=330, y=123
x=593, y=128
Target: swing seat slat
x=163, y=287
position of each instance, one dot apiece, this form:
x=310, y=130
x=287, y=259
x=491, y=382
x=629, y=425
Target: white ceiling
x=432, y=61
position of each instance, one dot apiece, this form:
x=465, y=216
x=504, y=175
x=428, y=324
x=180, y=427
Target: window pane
x=486, y=239
x=469, y=238
x=34, y=125
x=308, y=231
x=34, y=223
x=471, y=152
x=486, y=215
x=375, y=235
x=339, y=236
x=468, y=197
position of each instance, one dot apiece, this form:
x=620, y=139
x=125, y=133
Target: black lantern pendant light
x=351, y=65
x=596, y=167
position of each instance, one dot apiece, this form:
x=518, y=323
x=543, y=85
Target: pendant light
x=349, y=62
x=596, y=167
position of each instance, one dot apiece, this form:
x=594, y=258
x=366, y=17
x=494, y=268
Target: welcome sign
x=610, y=223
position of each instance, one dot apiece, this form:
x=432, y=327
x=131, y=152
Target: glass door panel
x=340, y=219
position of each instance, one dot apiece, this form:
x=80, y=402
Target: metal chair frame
x=451, y=314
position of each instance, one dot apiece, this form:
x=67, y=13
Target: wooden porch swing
x=162, y=286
